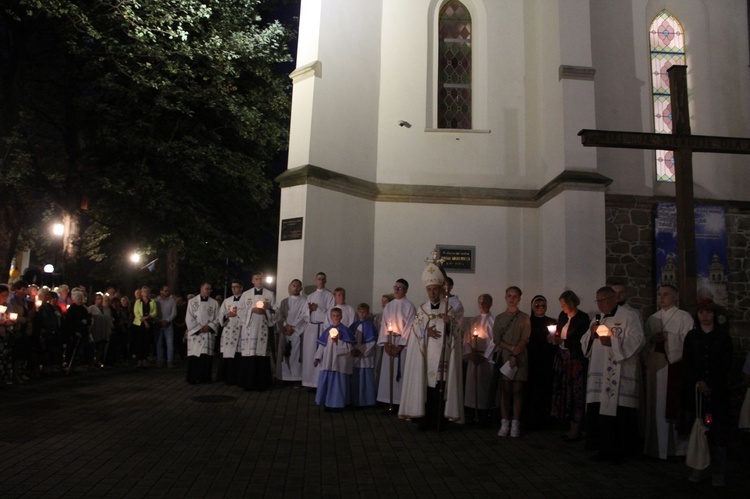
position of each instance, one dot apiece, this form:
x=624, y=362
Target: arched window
x=667, y=40
x=454, y=66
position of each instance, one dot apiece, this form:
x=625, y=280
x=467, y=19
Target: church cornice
x=440, y=194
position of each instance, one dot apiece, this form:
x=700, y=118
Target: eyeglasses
x=398, y=288
x=540, y=305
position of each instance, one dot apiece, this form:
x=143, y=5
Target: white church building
x=419, y=124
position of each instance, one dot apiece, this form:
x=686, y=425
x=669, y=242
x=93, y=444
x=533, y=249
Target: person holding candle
x=319, y=302
x=477, y=350
x=291, y=325
x=256, y=340
x=433, y=384
x=612, y=343
x=6, y=363
x=538, y=389
x=396, y=321
x=231, y=318
x=333, y=355
x=707, y=360
x=18, y=304
x=570, y=365
x=665, y=333
x=511, y=333
x=377, y=320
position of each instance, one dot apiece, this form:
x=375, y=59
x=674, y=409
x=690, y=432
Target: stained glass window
x=667, y=40
x=454, y=66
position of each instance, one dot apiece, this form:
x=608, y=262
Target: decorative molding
x=576, y=73
x=442, y=194
x=307, y=71
x=456, y=130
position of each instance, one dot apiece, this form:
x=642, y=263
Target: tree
x=159, y=122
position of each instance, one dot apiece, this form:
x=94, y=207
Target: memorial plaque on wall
x=291, y=229
x=458, y=258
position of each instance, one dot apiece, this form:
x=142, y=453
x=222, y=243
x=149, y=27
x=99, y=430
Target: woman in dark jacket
x=570, y=365
x=706, y=360
x=538, y=388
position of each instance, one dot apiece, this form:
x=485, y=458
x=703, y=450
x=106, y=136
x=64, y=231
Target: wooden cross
x=684, y=144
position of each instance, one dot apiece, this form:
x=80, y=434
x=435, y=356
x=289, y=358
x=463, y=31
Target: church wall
x=343, y=132
x=506, y=241
x=718, y=84
x=337, y=239
x=571, y=233
x=503, y=148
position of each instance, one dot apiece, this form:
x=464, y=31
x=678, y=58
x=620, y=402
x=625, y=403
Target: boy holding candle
x=335, y=360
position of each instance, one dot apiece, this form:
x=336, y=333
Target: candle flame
x=334, y=333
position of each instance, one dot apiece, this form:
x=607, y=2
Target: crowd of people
x=625, y=386
x=47, y=331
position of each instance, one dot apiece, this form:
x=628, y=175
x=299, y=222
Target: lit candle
x=390, y=334
x=552, y=329
x=13, y=316
x=474, y=339
x=603, y=330
x=259, y=304
x=334, y=333
x=38, y=303
x=3, y=308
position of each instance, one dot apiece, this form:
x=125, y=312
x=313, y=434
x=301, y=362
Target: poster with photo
x=710, y=249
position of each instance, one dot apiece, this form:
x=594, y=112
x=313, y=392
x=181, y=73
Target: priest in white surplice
x=257, y=340
x=319, y=302
x=397, y=317
x=232, y=316
x=665, y=335
x=612, y=344
x=433, y=358
x=291, y=326
x=202, y=322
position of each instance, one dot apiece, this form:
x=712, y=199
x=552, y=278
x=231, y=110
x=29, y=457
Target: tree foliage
x=155, y=121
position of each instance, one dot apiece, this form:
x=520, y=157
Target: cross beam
x=684, y=144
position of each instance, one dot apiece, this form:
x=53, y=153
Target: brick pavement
x=146, y=433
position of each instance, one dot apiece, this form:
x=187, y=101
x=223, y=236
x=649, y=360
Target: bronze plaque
x=291, y=229
x=458, y=258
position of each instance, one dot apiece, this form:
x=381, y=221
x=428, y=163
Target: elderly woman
x=76, y=328
x=144, y=321
x=707, y=359
x=569, y=366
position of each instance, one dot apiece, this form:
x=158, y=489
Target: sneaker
x=504, y=428
x=717, y=480
x=515, y=429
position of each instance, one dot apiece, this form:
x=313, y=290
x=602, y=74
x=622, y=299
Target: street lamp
x=135, y=257
x=58, y=229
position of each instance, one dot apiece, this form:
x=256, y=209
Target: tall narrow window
x=454, y=66
x=667, y=41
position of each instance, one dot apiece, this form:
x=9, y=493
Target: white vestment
x=316, y=321
x=478, y=377
x=231, y=326
x=201, y=313
x=662, y=438
x=424, y=366
x=292, y=313
x=348, y=315
x=613, y=377
x=397, y=315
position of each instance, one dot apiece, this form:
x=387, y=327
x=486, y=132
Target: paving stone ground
x=146, y=433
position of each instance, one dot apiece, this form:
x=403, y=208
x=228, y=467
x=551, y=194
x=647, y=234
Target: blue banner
x=710, y=249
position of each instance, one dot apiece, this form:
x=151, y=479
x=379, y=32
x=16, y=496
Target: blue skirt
x=333, y=389
x=363, y=386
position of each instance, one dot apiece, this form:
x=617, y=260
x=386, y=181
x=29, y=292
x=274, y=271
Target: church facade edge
x=568, y=180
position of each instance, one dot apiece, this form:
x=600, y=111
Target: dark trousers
x=199, y=369
x=255, y=373
x=615, y=437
